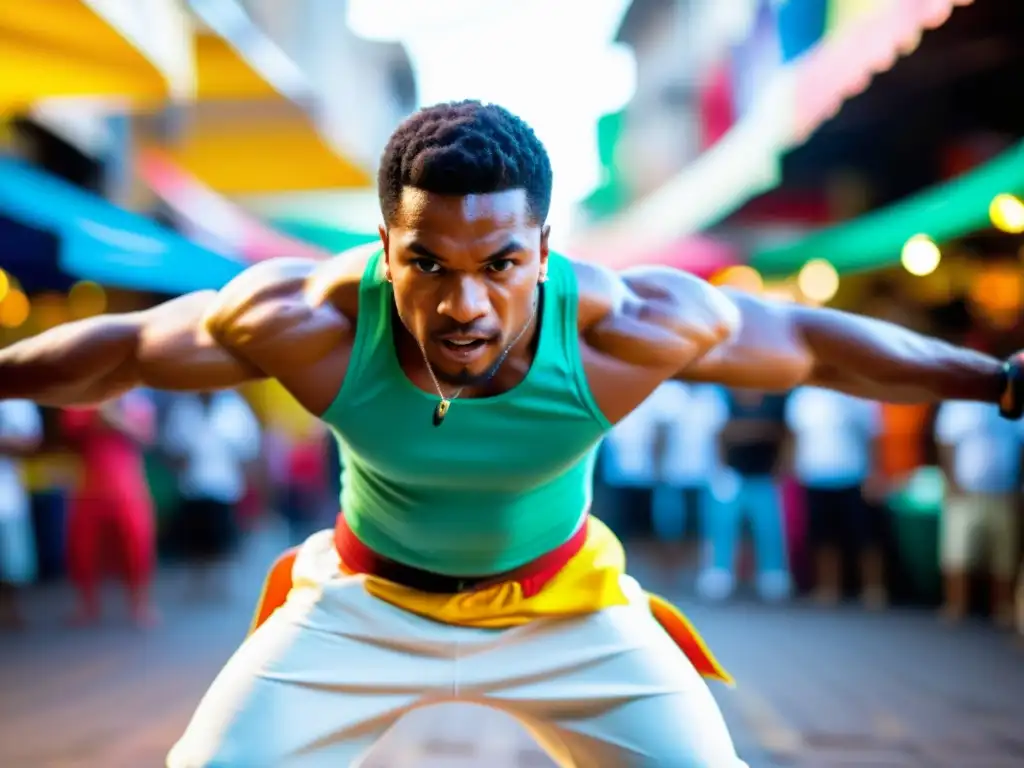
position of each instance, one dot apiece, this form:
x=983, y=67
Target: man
x=470, y=375
x=641, y=463
x=112, y=505
x=210, y=439
x=751, y=446
x=21, y=431
x=833, y=435
x=981, y=458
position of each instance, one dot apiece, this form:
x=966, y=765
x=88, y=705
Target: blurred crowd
x=152, y=477
x=819, y=481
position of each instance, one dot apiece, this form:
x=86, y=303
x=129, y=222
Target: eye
x=501, y=265
x=427, y=266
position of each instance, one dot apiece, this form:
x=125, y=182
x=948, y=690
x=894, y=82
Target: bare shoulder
x=277, y=283
x=652, y=313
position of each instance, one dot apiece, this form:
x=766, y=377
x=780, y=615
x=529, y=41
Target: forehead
x=461, y=218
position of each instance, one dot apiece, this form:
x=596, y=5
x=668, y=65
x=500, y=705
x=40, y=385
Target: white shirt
x=215, y=441
x=833, y=433
x=18, y=419
x=987, y=447
x=686, y=419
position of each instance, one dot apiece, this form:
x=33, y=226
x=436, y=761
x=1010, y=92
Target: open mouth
x=463, y=345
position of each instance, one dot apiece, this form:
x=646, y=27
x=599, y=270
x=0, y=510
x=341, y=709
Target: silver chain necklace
x=441, y=409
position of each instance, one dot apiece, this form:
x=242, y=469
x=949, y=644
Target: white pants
x=332, y=670
x=978, y=522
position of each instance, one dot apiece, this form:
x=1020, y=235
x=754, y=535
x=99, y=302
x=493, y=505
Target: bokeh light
x=741, y=277
x=818, y=280
x=86, y=299
x=1007, y=213
x=14, y=309
x=920, y=256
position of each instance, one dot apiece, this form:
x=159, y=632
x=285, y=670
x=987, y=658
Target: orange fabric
x=683, y=633
x=901, y=440
x=276, y=587
x=591, y=581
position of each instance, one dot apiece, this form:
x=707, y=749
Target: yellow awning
x=261, y=147
x=249, y=132
x=138, y=54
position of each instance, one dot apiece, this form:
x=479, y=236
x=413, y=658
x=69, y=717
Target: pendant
x=441, y=411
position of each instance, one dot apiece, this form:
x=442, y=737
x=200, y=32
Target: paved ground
x=820, y=690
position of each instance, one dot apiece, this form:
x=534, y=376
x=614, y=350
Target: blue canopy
x=104, y=243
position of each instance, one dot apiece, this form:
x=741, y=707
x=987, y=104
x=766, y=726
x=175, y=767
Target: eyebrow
x=513, y=246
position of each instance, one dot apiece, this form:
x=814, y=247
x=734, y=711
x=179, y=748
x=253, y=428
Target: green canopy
x=612, y=195
x=942, y=212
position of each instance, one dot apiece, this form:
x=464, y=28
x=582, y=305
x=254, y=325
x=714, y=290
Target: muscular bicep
x=655, y=317
x=765, y=351
x=177, y=351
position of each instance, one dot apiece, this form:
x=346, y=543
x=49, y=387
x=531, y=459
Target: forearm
x=881, y=361
x=72, y=364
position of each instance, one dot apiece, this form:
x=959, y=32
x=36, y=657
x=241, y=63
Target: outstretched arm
x=779, y=346
x=166, y=347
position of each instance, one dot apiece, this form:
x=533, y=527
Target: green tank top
x=503, y=480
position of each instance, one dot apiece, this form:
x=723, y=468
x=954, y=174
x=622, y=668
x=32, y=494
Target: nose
x=465, y=302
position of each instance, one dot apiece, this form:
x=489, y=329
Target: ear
x=383, y=232
x=545, y=234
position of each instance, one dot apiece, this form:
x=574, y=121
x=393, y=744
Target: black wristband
x=1011, y=401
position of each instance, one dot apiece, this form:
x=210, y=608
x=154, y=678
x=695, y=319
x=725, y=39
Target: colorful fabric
x=589, y=582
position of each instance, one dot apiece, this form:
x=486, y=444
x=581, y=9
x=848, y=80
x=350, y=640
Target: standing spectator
x=641, y=454
x=210, y=438
x=20, y=433
x=1020, y=605
x=691, y=457
x=112, y=504
x=980, y=453
x=752, y=445
x=306, y=502
x=833, y=438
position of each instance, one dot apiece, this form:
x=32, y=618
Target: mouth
x=463, y=349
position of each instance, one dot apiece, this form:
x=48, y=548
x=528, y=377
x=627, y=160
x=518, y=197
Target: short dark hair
x=464, y=148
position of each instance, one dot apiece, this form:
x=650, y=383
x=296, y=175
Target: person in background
x=833, y=438
x=112, y=503
x=980, y=454
x=210, y=439
x=306, y=502
x=637, y=461
x=1020, y=606
x=752, y=445
x=21, y=431
x=692, y=460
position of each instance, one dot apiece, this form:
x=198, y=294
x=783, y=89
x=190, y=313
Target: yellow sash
x=589, y=582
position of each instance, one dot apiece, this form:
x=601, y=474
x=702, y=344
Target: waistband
x=359, y=558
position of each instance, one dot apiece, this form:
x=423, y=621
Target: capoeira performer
x=470, y=374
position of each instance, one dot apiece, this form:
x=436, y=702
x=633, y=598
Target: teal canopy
x=104, y=243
